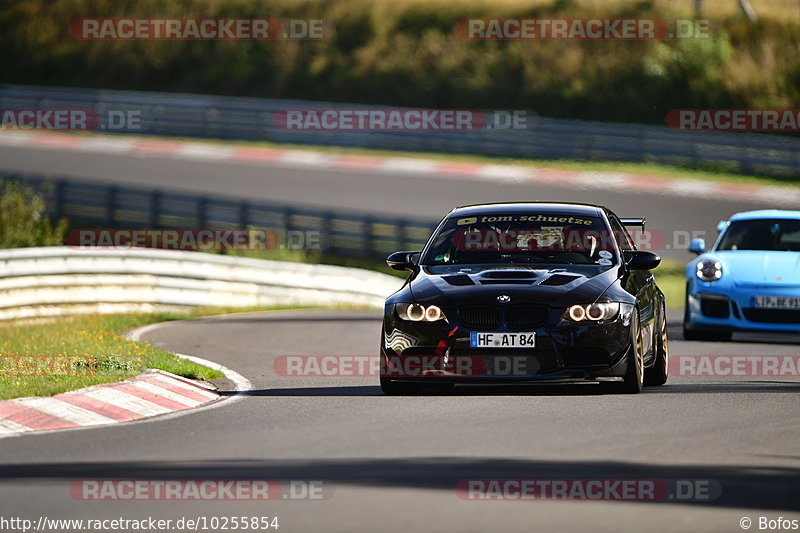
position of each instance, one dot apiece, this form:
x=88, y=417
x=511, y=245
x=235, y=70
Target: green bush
x=405, y=52
x=23, y=218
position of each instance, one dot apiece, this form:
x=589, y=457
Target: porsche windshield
x=782, y=235
x=529, y=238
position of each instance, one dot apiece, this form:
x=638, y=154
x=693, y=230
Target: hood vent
x=507, y=281
x=458, y=280
x=559, y=279
x=510, y=274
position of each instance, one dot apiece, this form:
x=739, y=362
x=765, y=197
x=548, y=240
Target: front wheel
x=706, y=335
x=658, y=374
x=633, y=381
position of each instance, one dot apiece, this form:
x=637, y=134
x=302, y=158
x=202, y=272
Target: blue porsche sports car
x=748, y=281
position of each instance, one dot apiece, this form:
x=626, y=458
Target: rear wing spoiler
x=633, y=222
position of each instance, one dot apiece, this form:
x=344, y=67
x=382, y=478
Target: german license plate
x=777, y=302
x=478, y=339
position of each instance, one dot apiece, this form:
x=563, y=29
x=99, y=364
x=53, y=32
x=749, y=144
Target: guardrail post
x=400, y=234
x=153, y=209
x=58, y=199
x=111, y=205
x=202, y=204
x=326, y=233
x=244, y=214
x=369, y=236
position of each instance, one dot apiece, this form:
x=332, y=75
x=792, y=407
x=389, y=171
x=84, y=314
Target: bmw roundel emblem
x=504, y=298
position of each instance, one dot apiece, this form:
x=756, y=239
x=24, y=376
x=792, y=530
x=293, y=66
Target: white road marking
x=15, y=138
x=601, y=180
x=506, y=173
x=406, y=165
x=306, y=159
x=103, y=145
x=204, y=151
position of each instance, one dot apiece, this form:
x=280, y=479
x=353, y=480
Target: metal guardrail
x=54, y=281
x=121, y=207
x=252, y=118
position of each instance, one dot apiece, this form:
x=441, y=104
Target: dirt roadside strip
x=152, y=393
x=459, y=170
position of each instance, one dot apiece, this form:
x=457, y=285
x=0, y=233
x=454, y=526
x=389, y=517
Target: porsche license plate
x=502, y=340
x=777, y=302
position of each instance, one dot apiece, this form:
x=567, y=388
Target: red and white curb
x=223, y=152
x=153, y=393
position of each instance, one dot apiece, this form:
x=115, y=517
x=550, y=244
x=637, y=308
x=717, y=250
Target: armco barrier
x=53, y=281
x=193, y=115
x=112, y=206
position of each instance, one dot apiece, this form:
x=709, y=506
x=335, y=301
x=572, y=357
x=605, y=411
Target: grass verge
x=49, y=358
x=672, y=281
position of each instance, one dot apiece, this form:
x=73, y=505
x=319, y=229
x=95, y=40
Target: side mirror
x=402, y=261
x=697, y=246
x=642, y=260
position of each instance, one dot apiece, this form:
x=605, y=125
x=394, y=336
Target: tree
x=23, y=218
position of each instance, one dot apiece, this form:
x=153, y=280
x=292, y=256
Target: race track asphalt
x=390, y=464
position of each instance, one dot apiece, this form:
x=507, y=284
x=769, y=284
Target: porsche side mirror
x=642, y=260
x=697, y=246
x=402, y=261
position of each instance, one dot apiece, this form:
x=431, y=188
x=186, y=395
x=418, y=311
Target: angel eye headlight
x=576, y=313
x=596, y=312
x=593, y=312
x=709, y=270
x=433, y=313
x=415, y=312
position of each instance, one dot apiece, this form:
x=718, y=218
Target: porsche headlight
x=709, y=270
x=592, y=312
x=415, y=312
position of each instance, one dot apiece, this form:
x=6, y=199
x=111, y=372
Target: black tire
x=633, y=381
x=700, y=334
x=707, y=335
x=657, y=375
x=400, y=388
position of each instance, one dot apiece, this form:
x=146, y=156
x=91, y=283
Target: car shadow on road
x=730, y=486
x=588, y=389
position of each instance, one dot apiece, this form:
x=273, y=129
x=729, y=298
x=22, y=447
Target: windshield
x=781, y=235
x=534, y=238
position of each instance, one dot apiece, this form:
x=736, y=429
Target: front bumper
x=564, y=351
x=732, y=307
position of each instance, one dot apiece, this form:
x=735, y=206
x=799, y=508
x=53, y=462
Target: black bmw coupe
x=526, y=292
